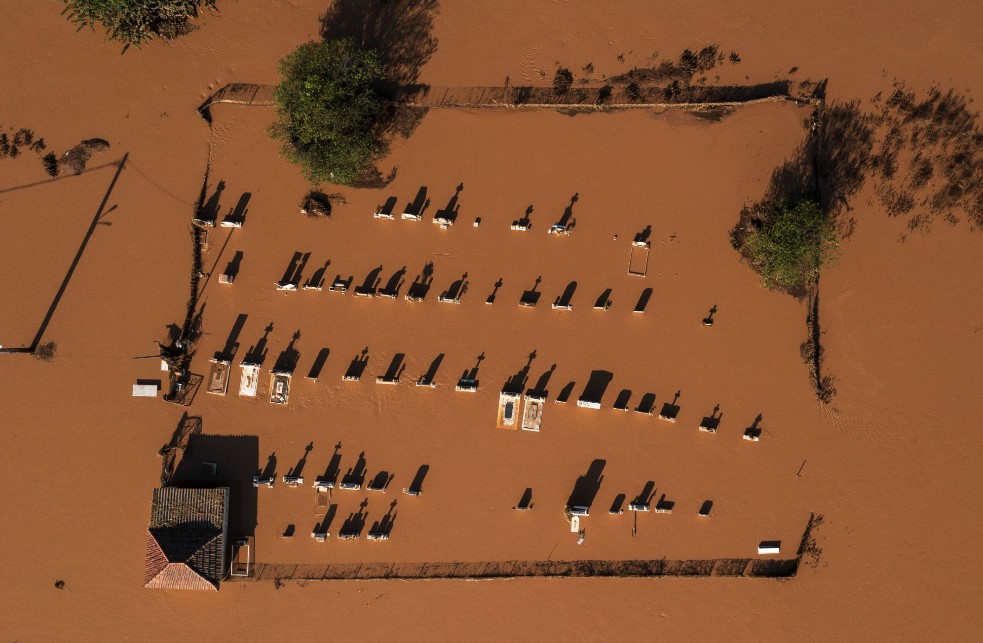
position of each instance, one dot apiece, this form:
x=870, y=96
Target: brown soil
x=890, y=463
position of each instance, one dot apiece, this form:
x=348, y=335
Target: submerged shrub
x=562, y=81
x=46, y=352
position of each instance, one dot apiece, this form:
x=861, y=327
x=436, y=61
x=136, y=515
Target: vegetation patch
x=789, y=243
x=329, y=116
x=134, y=22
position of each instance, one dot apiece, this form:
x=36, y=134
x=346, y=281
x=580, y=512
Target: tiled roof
x=185, y=540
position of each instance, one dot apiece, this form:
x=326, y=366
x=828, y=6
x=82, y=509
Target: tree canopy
x=133, y=22
x=328, y=112
x=791, y=245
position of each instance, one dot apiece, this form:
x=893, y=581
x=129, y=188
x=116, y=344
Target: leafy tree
x=134, y=22
x=329, y=116
x=791, y=245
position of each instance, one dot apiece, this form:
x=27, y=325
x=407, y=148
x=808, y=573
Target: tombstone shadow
x=621, y=402
x=415, y=207
x=427, y=378
x=586, y=486
x=394, y=284
x=618, y=506
x=355, y=523
x=298, y=469
x=316, y=280
x=525, y=502
x=604, y=301
x=567, y=222
x=540, y=389
x=711, y=423
x=234, y=266
x=530, y=297
x=754, y=431
x=449, y=213
x=416, y=486
x=237, y=215
x=380, y=481
x=318, y=365
x=384, y=527
x=356, y=474
x=708, y=320
x=525, y=222
x=565, y=300
x=456, y=290
x=645, y=496
x=370, y=283
x=231, y=347
x=396, y=368
x=643, y=300
x=565, y=393
x=596, y=386
x=269, y=470
x=333, y=470
x=357, y=366
x=210, y=209
x=646, y=405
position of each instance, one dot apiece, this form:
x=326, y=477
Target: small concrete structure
x=145, y=390
x=579, y=510
x=259, y=481
x=350, y=486
x=339, y=285
x=521, y=226
x=286, y=285
x=218, y=376
x=769, y=547
x=322, y=485
x=639, y=506
x=752, y=434
x=226, y=278
x=378, y=535
x=293, y=481
x=588, y=404
x=465, y=385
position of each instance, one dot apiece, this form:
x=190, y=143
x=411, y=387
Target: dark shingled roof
x=186, y=538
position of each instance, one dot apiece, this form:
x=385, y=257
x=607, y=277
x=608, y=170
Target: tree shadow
x=401, y=34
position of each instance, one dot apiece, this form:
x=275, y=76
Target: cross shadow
x=448, y=215
x=525, y=222
x=670, y=410
x=355, y=523
x=494, y=292
x=287, y=361
x=383, y=528
x=472, y=375
x=269, y=471
x=333, y=470
x=517, y=382
x=708, y=320
x=456, y=290
x=711, y=423
x=421, y=283
x=567, y=222
x=257, y=354
x=357, y=366
x=298, y=470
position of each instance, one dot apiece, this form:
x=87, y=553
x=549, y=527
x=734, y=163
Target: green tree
x=133, y=22
x=328, y=112
x=793, y=242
